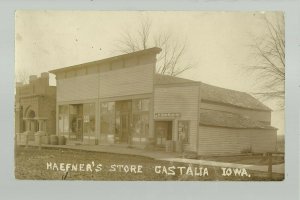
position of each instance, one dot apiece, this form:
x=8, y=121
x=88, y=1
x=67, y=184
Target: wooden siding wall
x=127, y=81
x=77, y=88
x=264, y=116
x=183, y=100
x=119, y=82
x=217, y=140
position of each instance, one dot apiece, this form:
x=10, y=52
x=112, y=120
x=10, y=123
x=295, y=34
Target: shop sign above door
x=160, y=115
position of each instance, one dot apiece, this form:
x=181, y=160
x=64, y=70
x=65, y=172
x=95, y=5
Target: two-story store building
x=122, y=100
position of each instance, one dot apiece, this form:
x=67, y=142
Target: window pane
x=107, y=121
x=60, y=124
x=103, y=107
x=73, y=123
x=89, y=119
x=92, y=109
x=183, y=131
x=136, y=105
x=111, y=107
x=66, y=123
x=145, y=104
x=140, y=127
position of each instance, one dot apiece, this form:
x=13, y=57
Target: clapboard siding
x=217, y=140
x=257, y=115
x=121, y=82
x=77, y=88
x=183, y=100
x=127, y=81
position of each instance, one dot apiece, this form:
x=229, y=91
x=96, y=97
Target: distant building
x=121, y=100
x=35, y=106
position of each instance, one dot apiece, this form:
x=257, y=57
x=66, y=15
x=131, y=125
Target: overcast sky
x=217, y=41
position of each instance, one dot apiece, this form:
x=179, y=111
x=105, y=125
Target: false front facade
x=121, y=100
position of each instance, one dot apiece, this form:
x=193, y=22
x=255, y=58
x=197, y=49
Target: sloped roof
x=230, y=120
x=233, y=97
x=166, y=79
x=216, y=94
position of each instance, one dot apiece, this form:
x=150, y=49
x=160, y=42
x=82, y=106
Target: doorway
x=124, y=128
x=123, y=121
x=79, y=134
x=163, y=132
x=76, y=120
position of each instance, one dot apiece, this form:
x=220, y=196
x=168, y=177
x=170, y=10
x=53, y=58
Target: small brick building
x=35, y=105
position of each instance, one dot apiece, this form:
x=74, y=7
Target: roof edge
x=154, y=50
x=230, y=127
x=233, y=105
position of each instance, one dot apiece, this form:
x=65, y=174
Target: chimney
x=45, y=75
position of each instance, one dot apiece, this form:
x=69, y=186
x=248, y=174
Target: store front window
x=124, y=121
x=63, y=120
x=76, y=121
x=89, y=120
x=140, y=120
x=123, y=117
x=107, y=121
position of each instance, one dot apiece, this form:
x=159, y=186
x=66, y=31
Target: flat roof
x=154, y=50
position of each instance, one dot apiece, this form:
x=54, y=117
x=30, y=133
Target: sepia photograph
x=149, y=95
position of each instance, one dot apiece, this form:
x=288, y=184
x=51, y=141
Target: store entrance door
x=76, y=120
x=79, y=124
x=123, y=119
x=124, y=128
x=163, y=132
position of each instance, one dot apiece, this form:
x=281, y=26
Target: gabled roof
x=216, y=94
x=230, y=120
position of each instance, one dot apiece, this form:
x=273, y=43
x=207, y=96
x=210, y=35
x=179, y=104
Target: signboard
x=157, y=115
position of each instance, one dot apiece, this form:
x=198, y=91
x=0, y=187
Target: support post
x=270, y=165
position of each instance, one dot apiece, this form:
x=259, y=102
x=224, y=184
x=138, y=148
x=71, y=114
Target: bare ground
x=253, y=159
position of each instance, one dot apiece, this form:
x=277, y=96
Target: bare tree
x=171, y=61
x=269, y=67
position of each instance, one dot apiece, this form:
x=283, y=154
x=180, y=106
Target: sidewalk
x=162, y=155
x=118, y=149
